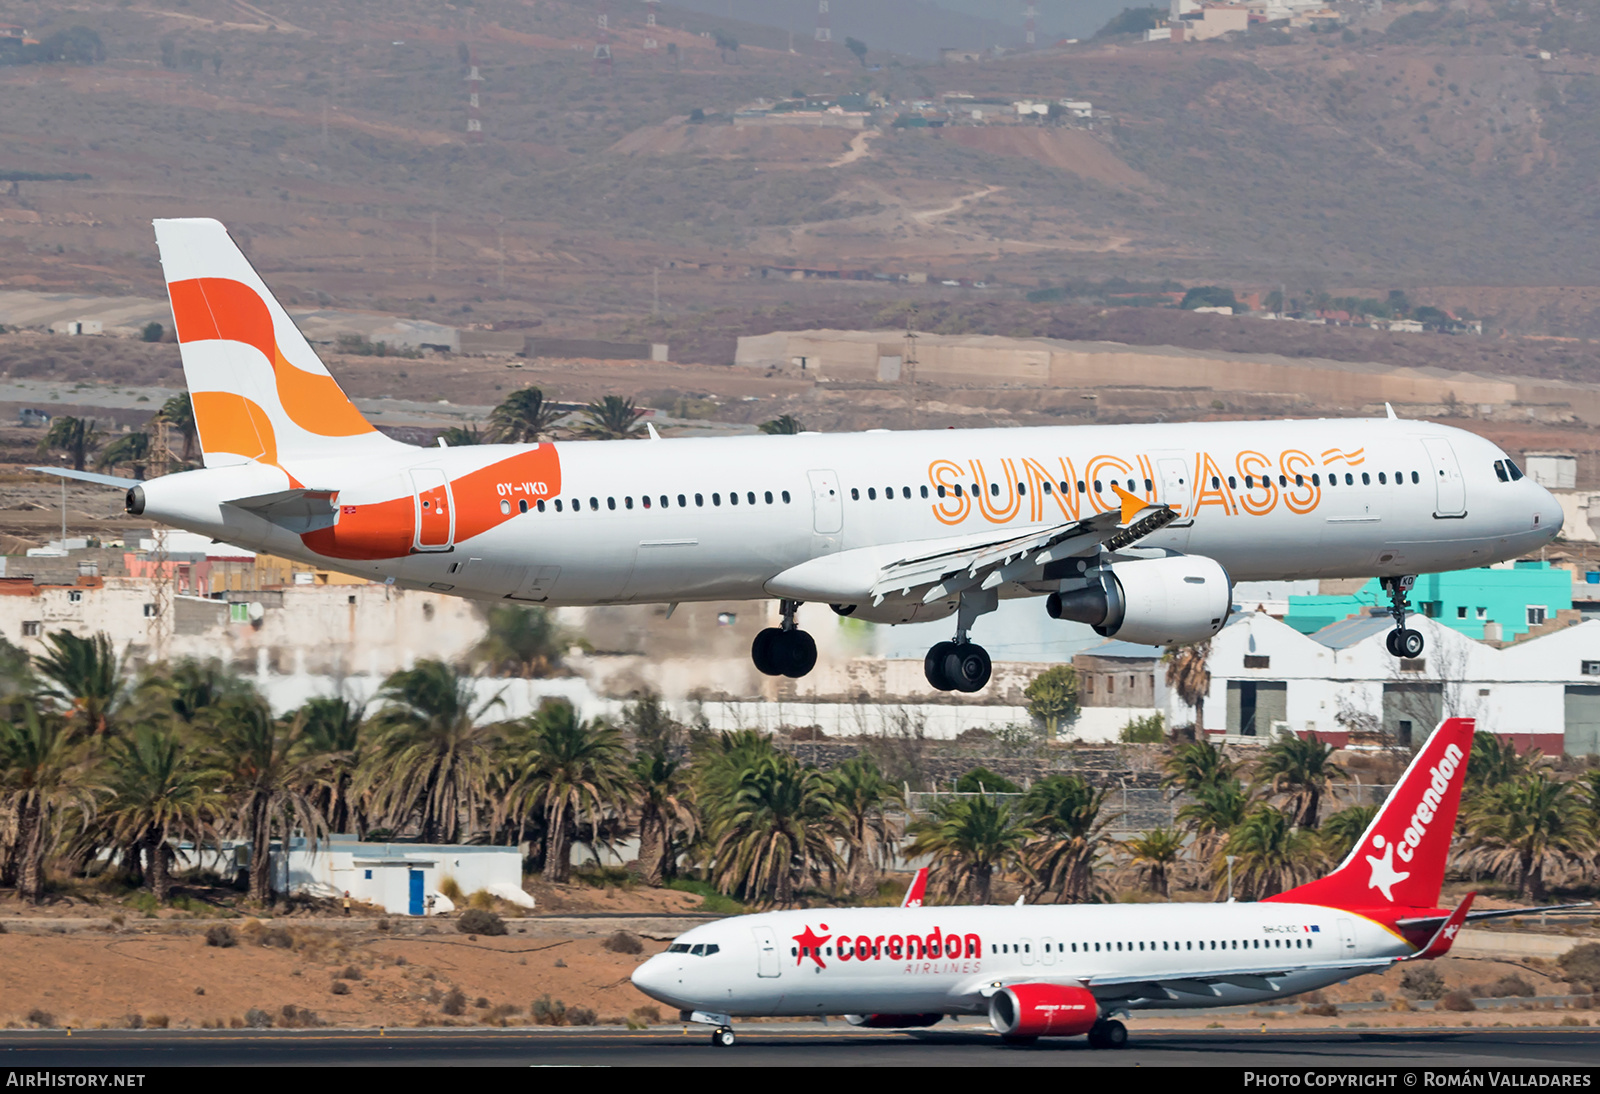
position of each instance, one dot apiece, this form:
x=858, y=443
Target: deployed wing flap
x=1009, y=558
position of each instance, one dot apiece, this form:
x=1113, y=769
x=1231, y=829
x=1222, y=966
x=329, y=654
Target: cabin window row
x=575, y=505
x=963, y=490
x=1168, y=946
x=1251, y=481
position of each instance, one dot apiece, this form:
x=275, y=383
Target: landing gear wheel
x=1409, y=643
x=722, y=1037
x=1112, y=1034
x=798, y=654
x=764, y=652
x=1391, y=643
x=933, y=665
x=967, y=667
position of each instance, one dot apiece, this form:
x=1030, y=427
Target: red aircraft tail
x=914, y=892
x=1399, y=861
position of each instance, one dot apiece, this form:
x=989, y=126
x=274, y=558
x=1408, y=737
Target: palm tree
x=86, y=675
x=431, y=757
x=970, y=840
x=16, y=671
x=1214, y=811
x=132, y=449
x=782, y=425
x=523, y=418
x=1495, y=762
x=259, y=765
x=611, y=418
x=862, y=794
x=178, y=412
x=1524, y=825
x=459, y=436
x=1341, y=831
x=770, y=822
x=188, y=690
x=159, y=790
x=1299, y=771
x=45, y=769
x=75, y=436
x=525, y=642
x=566, y=770
x=1188, y=676
x=333, y=746
x=1066, y=813
x=660, y=792
x=1155, y=853
x=1194, y=767
x=1270, y=855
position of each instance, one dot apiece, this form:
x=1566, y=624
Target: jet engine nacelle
x=892, y=1021
x=1043, y=1010
x=1174, y=601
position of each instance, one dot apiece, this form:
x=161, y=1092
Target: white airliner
x=1061, y=970
x=1137, y=530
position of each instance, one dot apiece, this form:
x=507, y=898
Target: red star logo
x=811, y=946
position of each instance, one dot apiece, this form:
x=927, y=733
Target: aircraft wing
x=994, y=562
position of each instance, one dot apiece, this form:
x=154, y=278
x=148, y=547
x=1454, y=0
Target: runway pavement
x=811, y=1046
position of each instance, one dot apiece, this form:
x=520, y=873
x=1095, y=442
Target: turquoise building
x=1519, y=597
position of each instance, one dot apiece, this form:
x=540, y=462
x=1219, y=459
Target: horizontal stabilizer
x=87, y=476
x=299, y=511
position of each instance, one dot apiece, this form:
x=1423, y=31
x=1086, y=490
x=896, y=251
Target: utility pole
x=433, y=244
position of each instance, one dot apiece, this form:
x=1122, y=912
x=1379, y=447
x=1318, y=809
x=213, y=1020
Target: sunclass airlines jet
x=1061, y=970
x=1137, y=530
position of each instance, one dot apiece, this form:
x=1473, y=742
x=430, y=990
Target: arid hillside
x=1425, y=149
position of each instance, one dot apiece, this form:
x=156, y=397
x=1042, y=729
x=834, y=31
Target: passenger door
x=827, y=511
x=1452, y=490
x=769, y=962
x=435, y=515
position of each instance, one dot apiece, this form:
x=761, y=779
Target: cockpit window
x=698, y=949
x=711, y=948
x=1500, y=470
x=1516, y=472
x=678, y=947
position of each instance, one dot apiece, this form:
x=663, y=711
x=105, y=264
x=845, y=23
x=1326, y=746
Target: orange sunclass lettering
x=1300, y=493
x=1260, y=494
x=1211, y=486
x=951, y=507
x=1062, y=491
x=998, y=502
x=1102, y=498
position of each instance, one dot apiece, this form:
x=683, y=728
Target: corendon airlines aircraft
x=1137, y=530
x=1061, y=970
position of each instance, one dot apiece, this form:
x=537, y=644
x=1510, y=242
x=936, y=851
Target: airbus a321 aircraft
x=1062, y=970
x=1137, y=530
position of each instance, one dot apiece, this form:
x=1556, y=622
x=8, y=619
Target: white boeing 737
x=1062, y=970
x=1137, y=530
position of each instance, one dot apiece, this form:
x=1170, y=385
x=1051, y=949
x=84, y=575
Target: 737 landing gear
x=1402, y=641
x=722, y=1037
x=785, y=650
x=962, y=665
x=1108, y=1034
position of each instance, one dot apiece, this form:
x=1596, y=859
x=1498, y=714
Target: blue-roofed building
x=1507, y=600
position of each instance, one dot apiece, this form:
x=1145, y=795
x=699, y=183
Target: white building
x=1341, y=682
x=398, y=877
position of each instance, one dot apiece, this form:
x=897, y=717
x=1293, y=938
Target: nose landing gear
x=785, y=650
x=1402, y=641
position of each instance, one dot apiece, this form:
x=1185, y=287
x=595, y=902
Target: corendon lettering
x=1439, y=782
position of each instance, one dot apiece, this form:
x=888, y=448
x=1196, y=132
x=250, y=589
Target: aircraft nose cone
x=651, y=978
x=1549, y=516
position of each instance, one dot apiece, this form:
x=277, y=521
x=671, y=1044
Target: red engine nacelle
x=1043, y=1010
x=892, y=1021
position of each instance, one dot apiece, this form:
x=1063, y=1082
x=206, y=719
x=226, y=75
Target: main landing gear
x=784, y=650
x=1108, y=1034
x=722, y=1037
x=1402, y=641
x=962, y=665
